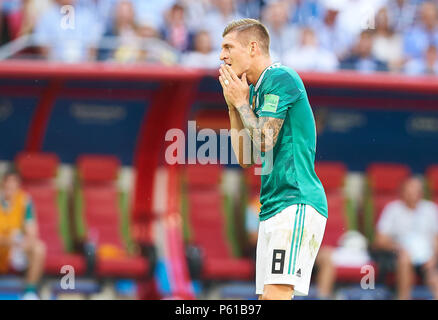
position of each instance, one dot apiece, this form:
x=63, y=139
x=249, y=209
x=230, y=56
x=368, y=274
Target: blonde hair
x=252, y=26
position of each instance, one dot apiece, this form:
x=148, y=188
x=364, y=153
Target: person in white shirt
x=203, y=56
x=426, y=65
x=284, y=35
x=74, y=42
x=331, y=34
x=310, y=56
x=358, y=15
x=409, y=228
x=402, y=14
x=221, y=13
x=387, y=44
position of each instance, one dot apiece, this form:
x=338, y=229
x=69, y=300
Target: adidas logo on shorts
x=298, y=273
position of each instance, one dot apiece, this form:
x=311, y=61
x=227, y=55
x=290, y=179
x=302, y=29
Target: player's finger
x=221, y=72
x=231, y=72
x=227, y=75
x=226, y=80
x=244, y=79
x=221, y=80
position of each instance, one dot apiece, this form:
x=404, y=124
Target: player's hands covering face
x=236, y=90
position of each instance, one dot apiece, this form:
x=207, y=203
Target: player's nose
x=222, y=55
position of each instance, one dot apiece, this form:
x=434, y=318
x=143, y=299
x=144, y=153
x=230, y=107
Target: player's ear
x=252, y=47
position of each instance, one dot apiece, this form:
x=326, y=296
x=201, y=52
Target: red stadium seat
x=38, y=171
x=253, y=182
x=332, y=176
x=432, y=179
x=101, y=214
x=207, y=222
x=384, y=181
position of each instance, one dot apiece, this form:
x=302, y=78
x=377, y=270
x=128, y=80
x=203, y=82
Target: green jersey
x=291, y=178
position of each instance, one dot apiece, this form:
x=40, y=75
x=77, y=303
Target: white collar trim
x=259, y=82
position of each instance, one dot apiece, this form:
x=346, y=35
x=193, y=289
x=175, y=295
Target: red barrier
x=372, y=81
x=375, y=81
x=345, y=79
x=105, y=71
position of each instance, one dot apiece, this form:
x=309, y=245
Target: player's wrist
x=232, y=109
x=241, y=104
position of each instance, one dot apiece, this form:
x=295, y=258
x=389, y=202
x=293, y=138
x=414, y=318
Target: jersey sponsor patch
x=271, y=103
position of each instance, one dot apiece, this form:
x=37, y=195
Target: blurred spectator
x=330, y=34
x=176, y=31
x=203, y=55
x=195, y=10
x=14, y=16
x=151, y=13
x=338, y=24
x=306, y=12
x=326, y=272
x=387, y=45
x=222, y=13
x=424, y=33
x=146, y=31
x=361, y=58
x=358, y=15
x=125, y=29
x=130, y=39
x=426, y=65
x=408, y=229
x=250, y=8
x=102, y=9
x=310, y=56
x=5, y=28
x=21, y=16
x=68, y=38
x=401, y=14
x=20, y=247
x=10, y=5
x=284, y=36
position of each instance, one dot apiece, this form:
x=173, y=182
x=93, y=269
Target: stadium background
x=84, y=115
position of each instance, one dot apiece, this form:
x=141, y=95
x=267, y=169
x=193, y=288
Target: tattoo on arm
x=263, y=131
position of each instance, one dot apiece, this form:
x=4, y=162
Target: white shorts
x=287, y=246
x=17, y=256
x=18, y=259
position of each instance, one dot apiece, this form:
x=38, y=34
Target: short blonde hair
x=252, y=26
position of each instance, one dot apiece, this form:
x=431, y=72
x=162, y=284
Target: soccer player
x=268, y=101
